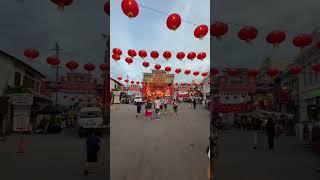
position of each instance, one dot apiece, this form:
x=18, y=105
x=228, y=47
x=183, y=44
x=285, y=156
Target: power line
x=161, y=12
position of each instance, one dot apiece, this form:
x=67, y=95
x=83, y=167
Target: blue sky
x=148, y=31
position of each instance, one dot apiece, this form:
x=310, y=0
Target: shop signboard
x=21, y=112
x=116, y=97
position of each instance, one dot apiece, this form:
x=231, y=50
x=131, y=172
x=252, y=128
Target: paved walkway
x=238, y=160
x=168, y=149
x=48, y=157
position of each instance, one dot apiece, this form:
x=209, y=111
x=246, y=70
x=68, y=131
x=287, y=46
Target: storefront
x=312, y=105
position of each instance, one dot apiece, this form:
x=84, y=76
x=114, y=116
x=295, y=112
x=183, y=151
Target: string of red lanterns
x=117, y=52
x=248, y=33
x=131, y=9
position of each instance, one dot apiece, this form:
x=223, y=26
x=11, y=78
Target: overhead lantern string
x=161, y=12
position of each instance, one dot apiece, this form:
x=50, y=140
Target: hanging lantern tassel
x=61, y=8
x=218, y=38
x=53, y=66
x=130, y=14
x=249, y=42
x=276, y=45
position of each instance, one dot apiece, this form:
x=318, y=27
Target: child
x=148, y=112
x=175, y=108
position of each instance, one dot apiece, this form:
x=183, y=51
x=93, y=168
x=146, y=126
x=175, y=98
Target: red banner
x=226, y=108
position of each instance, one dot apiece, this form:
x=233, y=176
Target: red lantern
x=176, y=84
x=295, y=70
x=191, y=55
x=204, y=74
x=188, y=84
x=219, y=29
x=72, y=65
x=137, y=82
x=130, y=8
x=201, y=84
x=201, y=56
x=132, y=82
x=214, y=71
x=275, y=38
x=142, y=83
x=31, y=53
x=143, y=54
x=126, y=80
x=167, y=55
x=316, y=67
x=318, y=45
x=89, y=67
x=62, y=3
x=132, y=53
x=180, y=55
x=302, y=40
x=129, y=60
x=196, y=73
x=173, y=21
x=178, y=70
x=107, y=8
x=201, y=31
x=157, y=66
x=146, y=64
x=104, y=67
x=115, y=57
x=233, y=72
x=253, y=72
x=53, y=61
x=154, y=54
x=119, y=78
x=168, y=68
x=273, y=72
x=117, y=51
x=187, y=72
x=248, y=34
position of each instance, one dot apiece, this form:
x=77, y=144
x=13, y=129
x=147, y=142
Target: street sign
x=53, y=86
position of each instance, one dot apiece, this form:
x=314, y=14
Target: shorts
x=157, y=111
x=175, y=109
x=165, y=106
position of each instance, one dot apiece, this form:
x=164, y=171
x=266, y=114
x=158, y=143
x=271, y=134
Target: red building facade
x=158, y=84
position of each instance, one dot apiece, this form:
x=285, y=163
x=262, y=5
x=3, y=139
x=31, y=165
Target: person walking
x=157, y=107
x=148, y=112
x=92, y=148
x=165, y=104
x=139, y=104
x=270, y=128
x=175, y=108
x=194, y=103
x=256, y=129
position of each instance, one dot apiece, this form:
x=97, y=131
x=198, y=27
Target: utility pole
x=57, y=50
x=106, y=77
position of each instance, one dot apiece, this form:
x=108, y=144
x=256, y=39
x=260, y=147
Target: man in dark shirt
x=93, y=147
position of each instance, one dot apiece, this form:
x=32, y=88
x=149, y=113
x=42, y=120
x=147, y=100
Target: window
x=28, y=82
x=17, y=79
